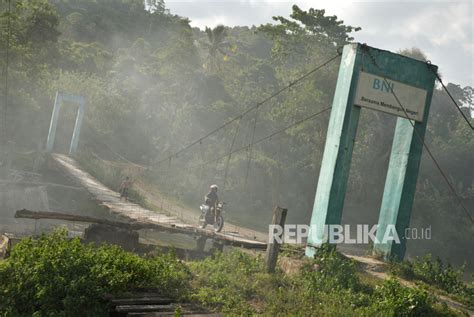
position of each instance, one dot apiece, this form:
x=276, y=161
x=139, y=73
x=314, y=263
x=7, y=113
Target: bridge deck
x=136, y=213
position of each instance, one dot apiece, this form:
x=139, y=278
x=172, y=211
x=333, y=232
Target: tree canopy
x=154, y=84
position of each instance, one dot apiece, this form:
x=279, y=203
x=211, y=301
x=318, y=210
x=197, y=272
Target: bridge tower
x=60, y=97
x=388, y=82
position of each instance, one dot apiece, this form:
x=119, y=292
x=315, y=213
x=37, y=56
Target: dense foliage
x=154, y=84
x=438, y=274
x=55, y=276
x=236, y=283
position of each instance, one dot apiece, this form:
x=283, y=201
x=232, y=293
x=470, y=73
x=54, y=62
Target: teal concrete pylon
x=60, y=97
x=371, y=78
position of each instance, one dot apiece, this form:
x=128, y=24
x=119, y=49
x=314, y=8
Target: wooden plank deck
x=136, y=213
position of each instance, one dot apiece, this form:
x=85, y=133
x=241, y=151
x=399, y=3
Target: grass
x=55, y=276
x=330, y=285
x=437, y=276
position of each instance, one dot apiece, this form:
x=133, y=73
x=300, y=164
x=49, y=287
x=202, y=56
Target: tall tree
x=216, y=47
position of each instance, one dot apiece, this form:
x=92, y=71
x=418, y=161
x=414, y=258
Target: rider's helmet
x=214, y=186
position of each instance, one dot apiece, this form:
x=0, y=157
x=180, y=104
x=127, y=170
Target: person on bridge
x=124, y=187
x=211, y=198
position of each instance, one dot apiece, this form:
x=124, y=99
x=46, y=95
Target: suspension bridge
x=133, y=215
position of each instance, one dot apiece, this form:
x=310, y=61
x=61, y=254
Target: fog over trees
x=154, y=84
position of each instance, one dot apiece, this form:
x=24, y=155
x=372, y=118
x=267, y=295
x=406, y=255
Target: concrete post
x=369, y=77
x=402, y=175
x=54, y=122
x=77, y=127
x=342, y=128
x=60, y=97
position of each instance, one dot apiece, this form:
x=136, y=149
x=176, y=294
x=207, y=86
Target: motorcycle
x=208, y=217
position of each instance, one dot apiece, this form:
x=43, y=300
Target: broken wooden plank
x=131, y=225
x=141, y=301
x=144, y=224
x=144, y=308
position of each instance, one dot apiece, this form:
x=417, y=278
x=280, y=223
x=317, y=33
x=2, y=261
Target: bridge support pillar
x=387, y=82
x=60, y=97
x=400, y=185
x=54, y=123
x=337, y=155
x=77, y=127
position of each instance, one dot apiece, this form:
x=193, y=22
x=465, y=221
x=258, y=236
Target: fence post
x=273, y=247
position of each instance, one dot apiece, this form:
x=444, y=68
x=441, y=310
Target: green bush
x=330, y=271
x=226, y=282
x=393, y=299
x=54, y=276
x=236, y=283
x=438, y=274
x=403, y=269
x=329, y=286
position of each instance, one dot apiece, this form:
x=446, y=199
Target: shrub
x=330, y=271
x=403, y=269
x=226, y=282
x=55, y=276
x=393, y=299
x=236, y=283
x=435, y=272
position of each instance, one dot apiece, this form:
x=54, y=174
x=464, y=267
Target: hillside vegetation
x=54, y=276
x=153, y=85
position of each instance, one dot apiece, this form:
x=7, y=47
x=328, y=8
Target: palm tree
x=216, y=46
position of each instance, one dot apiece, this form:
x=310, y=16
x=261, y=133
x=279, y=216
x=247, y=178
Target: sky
x=443, y=30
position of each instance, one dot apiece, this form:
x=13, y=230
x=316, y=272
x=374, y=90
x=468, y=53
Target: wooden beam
x=137, y=225
x=22, y=183
x=24, y=213
x=145, y=300
x=144, y=308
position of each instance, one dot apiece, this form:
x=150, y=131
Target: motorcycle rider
x=211, y=198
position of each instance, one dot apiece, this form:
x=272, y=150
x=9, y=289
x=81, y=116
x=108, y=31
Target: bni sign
x=375, y=92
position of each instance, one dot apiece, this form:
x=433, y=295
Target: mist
x=154, y=85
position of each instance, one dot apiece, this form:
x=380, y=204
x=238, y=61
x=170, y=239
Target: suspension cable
x=249, y=159
x=314, y=115
x=421, y=139
x=230, y=155
x=257, y=105
x=7, y=66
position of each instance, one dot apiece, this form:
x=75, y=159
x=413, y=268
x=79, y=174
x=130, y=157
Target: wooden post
x=273, y=247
